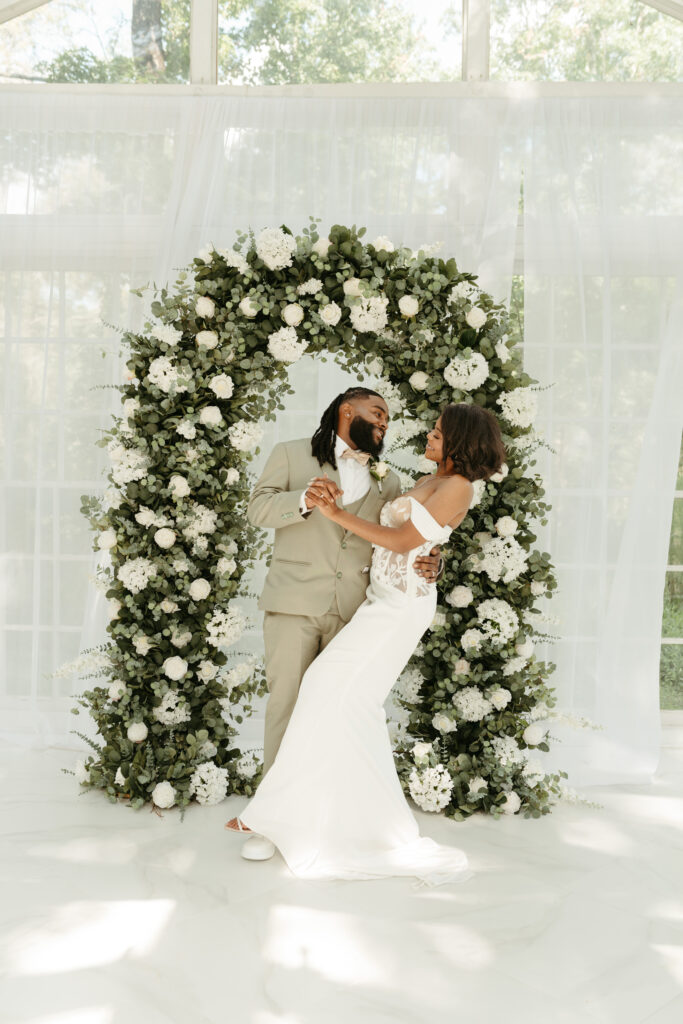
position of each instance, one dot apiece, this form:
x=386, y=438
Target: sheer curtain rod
x=368, y=90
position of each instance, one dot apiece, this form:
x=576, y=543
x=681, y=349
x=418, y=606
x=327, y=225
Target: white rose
x=222, y=385
x=232, y=476
x=168, y=606
x=175, y=667
x=293, y=314
x=119, y=778
x=206, y=253
x=179, y=486
x=207, y=339
x=137, y=732
x=145, y=517
x=462, y=667
x=321, y=247
x=210, y=416
x=204, y=306
x=477, y=784
x=381, y=469
x=421, y=751
x=442, y=723
x=164, y=537
x=537, y=588
x=506, y=526
x=114, y=608
x=82, y=773
x=501, y=474
x=500, y=698
x=163, y=794
x=200, y=589
x=419, y=380
x=533, y=734
x=460, y=597
x=525, y=649
x=408, y=305
x=107, y=540
x=117, y=688
x=476, y=317
x=248, y=307
x=383, y=244
x=375, y=366
x=207, y=671
x=226, y=566
x=483, y=538
x=512, y=803
x=438, y=621
x=142, y=644
x=330, y=314
x=352, y=286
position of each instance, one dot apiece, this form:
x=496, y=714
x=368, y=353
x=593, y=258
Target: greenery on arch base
x=406, y=358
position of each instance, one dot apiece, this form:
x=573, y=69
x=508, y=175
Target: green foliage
x=149, y=452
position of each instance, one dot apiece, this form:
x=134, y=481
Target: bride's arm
x=451, y=501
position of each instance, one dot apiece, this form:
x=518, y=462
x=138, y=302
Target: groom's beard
x=362, y=433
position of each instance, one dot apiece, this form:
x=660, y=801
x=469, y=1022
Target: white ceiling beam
x=204, y=42
x=674, y=8
x=476, y=40
x=13, y=8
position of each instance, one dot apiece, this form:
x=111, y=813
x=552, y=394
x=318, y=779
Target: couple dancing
x=330, y=799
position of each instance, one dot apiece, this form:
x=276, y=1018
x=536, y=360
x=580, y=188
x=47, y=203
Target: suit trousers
x=291, y=643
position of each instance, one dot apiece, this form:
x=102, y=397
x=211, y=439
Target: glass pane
x=279, y=42
x=671, y=677
x=676, y=545
x=87, y=41
x=672, y=620
x=594, y=40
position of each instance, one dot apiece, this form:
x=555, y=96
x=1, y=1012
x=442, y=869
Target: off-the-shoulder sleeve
x=424, y=521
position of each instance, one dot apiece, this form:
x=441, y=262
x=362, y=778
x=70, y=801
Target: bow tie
x=361, y=457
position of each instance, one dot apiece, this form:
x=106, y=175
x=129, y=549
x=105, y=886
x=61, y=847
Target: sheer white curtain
x=99, y=194
x=604, y=320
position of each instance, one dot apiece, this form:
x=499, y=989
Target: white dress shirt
x=354, y=479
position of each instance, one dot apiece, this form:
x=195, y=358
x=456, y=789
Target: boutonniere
x=379, y=470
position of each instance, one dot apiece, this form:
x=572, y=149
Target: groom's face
x=369, y=424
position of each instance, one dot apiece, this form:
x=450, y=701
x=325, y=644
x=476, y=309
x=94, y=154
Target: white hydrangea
x=476, y=317
x=511, y=804
x=225, y=627
x=430, y=788
x=172, y=711
x=519, y=407
x=81, y=772
x=471, y=704
x=502, y=351
x=392, y=396
x=137, y=732
x=310, y=287
x=514, y=665
x=478, y=490
x=166, y=333
x=200, y=519
x=537, y=588
x=506, y=526
x=245, y=435
x=460, y=597
x=276, y=248
x=500, y=698
x=232, y=476
x=285, y=346
x=462, y=291
x=526, y=648
x=330, y=314
x=374, y=365
x=209, y=783
x=222, y=385
x=383, y=244
x=370, y=313
x=175, y=667
x=179, y=486
x=163, y=373
x=186, y=429
x=533, y=772
x=410, y=684
x=507, y=751
x=467, y=374
x=238, y=674
x=444, y=723
x=503, y=559
x=247, y=765
x=136, y=573
x=419, y=380
x=499, y=620
x=181, y=637
x=208, y=749
x=128, y=464
x=234, y=259
x=163, y=794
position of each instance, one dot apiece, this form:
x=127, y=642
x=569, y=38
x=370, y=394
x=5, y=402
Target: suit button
x=339, y=575
x=343, y=543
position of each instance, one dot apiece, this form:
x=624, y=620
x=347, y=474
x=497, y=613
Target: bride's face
x=434, y=449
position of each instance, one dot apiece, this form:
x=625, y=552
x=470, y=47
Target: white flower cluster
x=514, y=665
x=392, y=396
x=285, y=346
x=504, y=559
x=499, y=620
x=247, y=765
x=462, y=291
x=410, y=684
x=276, y=248
x=127, y=463
x=164, y=374
x=477, y=786
x=170, y=712
x=467, y=374
x=369, y=313
x=209, y=783
x=234, y=259
x=500, y=698
x=136, y=573
x=471, y=704
x=310, y=287
x=507, y=750
x=199, y=520
x=237, y=675
x=471, y=639
x=166, y=333
x=86, y=664
x=459, y=597
x=430, y=788
x=533, y=772
x=245, y=435
x=225, y=627
x=444, y=723
x=511, y=804
x=148, y=517
x=519, y=407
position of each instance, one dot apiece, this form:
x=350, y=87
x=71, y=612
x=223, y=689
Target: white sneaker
x=258, y=848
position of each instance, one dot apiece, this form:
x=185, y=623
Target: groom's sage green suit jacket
x=314, y=559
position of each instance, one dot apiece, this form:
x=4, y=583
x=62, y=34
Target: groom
x=319, y=572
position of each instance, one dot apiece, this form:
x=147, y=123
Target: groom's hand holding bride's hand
x=323, y=493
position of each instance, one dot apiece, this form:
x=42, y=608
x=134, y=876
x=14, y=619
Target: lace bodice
x=390, y=568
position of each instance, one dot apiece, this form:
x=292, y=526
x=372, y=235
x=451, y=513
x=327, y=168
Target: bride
x=331, y=801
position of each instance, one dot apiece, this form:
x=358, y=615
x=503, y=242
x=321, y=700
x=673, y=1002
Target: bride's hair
x=323, y=441
x=471, y=438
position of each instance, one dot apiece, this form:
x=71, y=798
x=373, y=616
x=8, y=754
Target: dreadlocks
x=322, y=442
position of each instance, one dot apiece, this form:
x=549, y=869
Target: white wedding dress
x=332, y=802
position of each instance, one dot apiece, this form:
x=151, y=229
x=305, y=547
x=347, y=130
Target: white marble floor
x=111, y=916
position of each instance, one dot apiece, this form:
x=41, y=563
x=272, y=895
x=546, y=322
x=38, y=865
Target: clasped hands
x=322, y=493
